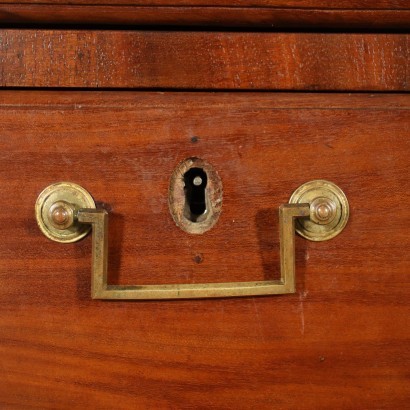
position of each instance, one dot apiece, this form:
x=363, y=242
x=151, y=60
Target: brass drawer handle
x=100, y=289
x=59, y=212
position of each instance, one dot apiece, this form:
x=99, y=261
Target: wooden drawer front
x=322, y=15
x=340, y=341
x=204, y=60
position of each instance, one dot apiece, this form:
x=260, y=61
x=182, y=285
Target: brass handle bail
x=66, y=212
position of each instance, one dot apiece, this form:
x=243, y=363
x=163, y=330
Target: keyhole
x=195, y=180
x=195, y=195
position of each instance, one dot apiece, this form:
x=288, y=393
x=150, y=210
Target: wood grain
x=186, y=16
x=341, y=342
x=204, y=60
x=329, y=4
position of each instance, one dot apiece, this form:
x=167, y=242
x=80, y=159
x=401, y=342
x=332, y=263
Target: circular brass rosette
x=56, y=211
x=329, y=210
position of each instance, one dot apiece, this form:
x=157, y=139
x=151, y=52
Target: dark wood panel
x=234, y=17
x=204, y=60
x=329, y=4
x=342, y=341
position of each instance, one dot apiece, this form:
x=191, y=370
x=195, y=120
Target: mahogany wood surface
x=328, y=4
x=204, y=60
x=342, y=341
x=272, y=18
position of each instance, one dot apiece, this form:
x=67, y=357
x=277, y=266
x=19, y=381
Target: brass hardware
x=55, y=214
x=61, y=215
x=329, y=210
x=100, y=289
x=56, y=209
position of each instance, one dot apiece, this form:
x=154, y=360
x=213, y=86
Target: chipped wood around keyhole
x=177, y=196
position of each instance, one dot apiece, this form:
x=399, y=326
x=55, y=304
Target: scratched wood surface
x=204, y=60
x=273, y=18
x=341, y=342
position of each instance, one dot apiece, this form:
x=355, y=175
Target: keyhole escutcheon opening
x=195, y=180
x=195, y=195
